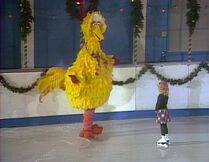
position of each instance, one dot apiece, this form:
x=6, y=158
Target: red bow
x=82, y=12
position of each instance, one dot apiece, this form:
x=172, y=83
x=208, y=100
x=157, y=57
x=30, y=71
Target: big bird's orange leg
x=89, y=129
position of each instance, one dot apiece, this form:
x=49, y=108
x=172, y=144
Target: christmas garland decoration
x=75, y=8
x=92, y=5
x=26, y=18
x=192, y=15
x=138, y=23
x=137, y=16
x=15, y=89
x=144, y=69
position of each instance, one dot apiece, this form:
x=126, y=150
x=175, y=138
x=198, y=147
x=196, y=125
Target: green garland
x=74, y=9
x=151, y=68
x=144, y=69
x=92, y=5
x=192, y=15
x=15, y=89
x=137, y=16
x=26, y=18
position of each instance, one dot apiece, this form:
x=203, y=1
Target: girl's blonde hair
x=163, y=87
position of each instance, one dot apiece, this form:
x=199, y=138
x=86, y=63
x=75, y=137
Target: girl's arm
x=159, y=102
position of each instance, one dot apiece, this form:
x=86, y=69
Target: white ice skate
x=167, y=139
x=162, y=142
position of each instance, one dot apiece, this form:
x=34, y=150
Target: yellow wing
x=54, y=78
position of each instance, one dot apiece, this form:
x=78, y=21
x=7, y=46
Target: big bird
x=88, y=82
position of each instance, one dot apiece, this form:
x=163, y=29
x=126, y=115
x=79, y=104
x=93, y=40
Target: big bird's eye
x=96, y=23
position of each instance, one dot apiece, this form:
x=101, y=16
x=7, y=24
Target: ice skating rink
x=132, y=140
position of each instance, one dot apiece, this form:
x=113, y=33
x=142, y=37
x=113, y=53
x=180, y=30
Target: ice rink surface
x=132, y=140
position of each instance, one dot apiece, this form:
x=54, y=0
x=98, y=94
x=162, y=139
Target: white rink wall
x=140, y=95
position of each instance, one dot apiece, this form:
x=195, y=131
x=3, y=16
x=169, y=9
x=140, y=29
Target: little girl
x=162, y=113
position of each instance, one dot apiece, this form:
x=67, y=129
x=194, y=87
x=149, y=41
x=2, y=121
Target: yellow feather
x=54, y=78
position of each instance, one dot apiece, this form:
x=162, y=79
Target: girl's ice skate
x=162, y=142
x=167, y=139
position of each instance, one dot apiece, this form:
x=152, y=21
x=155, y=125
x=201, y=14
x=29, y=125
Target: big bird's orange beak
x=97, y=32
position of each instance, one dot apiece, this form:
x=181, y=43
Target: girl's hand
x=116, y=60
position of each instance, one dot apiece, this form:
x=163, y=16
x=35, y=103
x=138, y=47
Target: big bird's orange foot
x=96, y=129
x=88, y=134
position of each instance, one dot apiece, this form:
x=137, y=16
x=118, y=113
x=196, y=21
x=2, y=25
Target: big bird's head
x=93, y=25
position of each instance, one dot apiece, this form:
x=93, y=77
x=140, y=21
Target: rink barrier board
x=75, y=118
